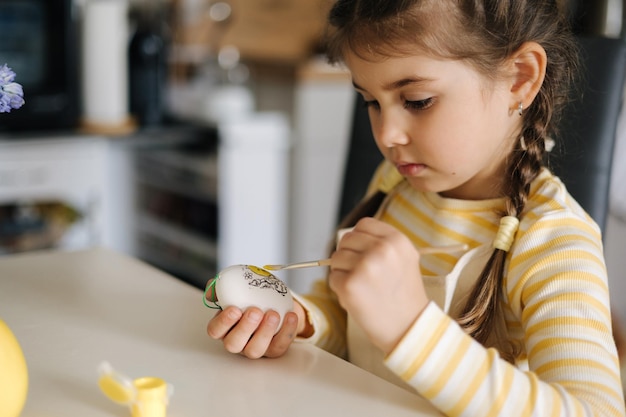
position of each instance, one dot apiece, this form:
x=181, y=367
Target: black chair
x=584, y=152
x=583, y=155
x=363, y=158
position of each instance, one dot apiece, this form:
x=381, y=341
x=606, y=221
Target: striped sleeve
x=327, y=318
x=556, y=286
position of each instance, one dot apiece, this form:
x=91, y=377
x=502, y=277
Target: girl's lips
x=410, y=170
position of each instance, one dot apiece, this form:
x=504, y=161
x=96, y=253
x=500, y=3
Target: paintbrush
x=326, y=262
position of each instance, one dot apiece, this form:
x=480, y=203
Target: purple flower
x=11, y=93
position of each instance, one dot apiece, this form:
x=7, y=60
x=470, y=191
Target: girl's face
x=446, y=128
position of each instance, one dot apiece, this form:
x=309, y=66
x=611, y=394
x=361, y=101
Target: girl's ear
x=528, y=65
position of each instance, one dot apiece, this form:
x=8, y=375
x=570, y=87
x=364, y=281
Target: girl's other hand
x=376, y=275
x=252, y=333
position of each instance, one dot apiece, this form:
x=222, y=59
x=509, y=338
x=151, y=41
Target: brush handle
x=326, y=262
x=308, y=264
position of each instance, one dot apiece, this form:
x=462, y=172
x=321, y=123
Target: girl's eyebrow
x=398, y=84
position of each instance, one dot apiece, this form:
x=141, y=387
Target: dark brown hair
x=484, y=34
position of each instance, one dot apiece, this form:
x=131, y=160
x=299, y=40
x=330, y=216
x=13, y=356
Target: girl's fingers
x=253, y=333
x=283, y=339
x=223, y=322
x=266, y=341
x=237, y=338
x=357, y=239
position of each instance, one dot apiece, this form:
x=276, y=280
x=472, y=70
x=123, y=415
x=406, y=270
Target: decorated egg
x=246, y=286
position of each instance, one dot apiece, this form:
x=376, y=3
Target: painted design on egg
x=245, y=286
x=260, y=278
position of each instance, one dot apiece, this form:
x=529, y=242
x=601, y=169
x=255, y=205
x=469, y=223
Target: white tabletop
x=72, y=310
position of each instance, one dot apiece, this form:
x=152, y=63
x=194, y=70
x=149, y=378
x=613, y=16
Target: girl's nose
x=390, y=130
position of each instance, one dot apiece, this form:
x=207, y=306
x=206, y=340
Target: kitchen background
x=206, y=133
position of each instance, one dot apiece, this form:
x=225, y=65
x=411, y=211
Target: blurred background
x=193, y=134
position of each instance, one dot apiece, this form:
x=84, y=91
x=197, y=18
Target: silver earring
x=520, y=109
x=522, y=143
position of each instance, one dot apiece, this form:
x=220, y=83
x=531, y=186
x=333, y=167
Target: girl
x=463, y=97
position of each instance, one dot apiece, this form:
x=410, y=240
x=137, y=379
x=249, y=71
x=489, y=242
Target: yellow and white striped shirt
x=556, y=307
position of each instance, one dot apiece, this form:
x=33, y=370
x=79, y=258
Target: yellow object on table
x=13, y=374
x=146, y=396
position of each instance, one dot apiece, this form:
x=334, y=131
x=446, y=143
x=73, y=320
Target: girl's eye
x=410, y=105
x=419, y=104
x=371, y=104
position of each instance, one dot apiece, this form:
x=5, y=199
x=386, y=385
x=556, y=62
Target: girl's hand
x=253, y=333
x=376, y=276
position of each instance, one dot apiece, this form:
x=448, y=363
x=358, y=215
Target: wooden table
x=72, y=310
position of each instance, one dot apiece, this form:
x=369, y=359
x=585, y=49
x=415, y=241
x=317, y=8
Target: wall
x=615, y=252
x=323, y=102
x=615, y=233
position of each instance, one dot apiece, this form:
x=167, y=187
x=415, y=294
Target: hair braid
x=483, y=305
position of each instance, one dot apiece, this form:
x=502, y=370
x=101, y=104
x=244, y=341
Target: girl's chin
x=424, y=184
x=432, y=185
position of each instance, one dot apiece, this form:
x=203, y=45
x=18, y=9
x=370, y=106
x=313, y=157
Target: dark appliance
x=147, y=59
x=38, y=40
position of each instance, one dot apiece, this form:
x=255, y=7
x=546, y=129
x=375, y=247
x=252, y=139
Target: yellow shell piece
x=115, y=386
x=115, y=391
x=13, y=374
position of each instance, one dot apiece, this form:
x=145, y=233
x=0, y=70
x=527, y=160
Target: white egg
x=246, y=286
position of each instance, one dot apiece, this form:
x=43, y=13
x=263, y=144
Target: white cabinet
x=53, y=192
x=151, y=195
